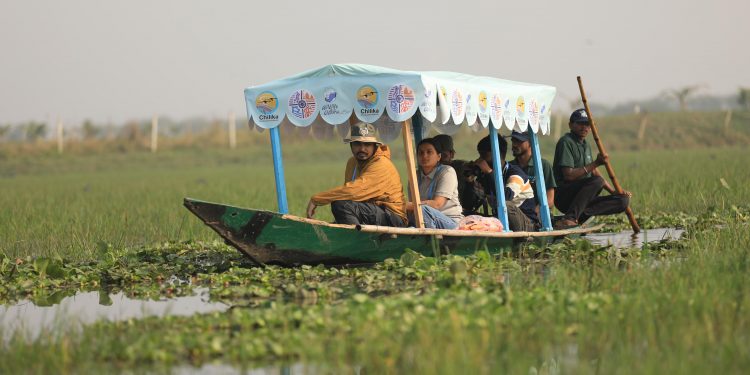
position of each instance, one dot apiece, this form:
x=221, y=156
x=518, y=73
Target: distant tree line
x=681, y=99
x=138, y=132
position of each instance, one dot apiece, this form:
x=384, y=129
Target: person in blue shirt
x=519, y=195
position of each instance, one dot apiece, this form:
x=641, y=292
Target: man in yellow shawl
x=372, y=192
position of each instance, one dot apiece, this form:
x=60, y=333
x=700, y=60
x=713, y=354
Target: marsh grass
x=117, y=221
x=587, y=310
x=70, y=206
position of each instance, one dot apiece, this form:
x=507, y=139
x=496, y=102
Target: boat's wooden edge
x=317, y=222
x=475, y=233
x=444, y=232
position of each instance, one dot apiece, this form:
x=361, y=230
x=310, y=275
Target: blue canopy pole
x=502, y=210
x=278, y=171
x=416, y=124
x=541, y=188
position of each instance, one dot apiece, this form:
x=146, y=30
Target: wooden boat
x=341, y=95
x=273, y=238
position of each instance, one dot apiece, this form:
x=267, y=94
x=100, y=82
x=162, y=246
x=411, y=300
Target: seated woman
x=438, y=189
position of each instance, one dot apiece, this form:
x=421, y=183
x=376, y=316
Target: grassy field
x=68, y=206
x=115, y=221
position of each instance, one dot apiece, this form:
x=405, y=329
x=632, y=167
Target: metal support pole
x=278, y=170
x=541, y=185
x=502, y=210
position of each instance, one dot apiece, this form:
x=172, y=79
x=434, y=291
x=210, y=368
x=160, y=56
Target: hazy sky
x=114, y=61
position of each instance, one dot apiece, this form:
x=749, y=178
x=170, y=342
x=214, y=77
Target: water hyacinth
x=568, y=307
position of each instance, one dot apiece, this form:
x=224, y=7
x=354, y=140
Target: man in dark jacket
x=519, y=196
x=521, y=148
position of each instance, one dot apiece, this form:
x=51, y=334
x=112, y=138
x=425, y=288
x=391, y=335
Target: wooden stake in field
x=154, y=133
x=727, y=120
x=60, y=135
x=412, y=170
x=642, y=128
x=232, y=131
x=600, y=146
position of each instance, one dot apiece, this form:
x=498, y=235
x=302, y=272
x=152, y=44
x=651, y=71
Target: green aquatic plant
x=419, y=314
x=174, y=269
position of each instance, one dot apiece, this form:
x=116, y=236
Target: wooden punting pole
x=600, y=146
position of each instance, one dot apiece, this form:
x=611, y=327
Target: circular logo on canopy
x=482, y=101
x=302, y=104
x=400, y=98
x=329, y=95
x=457, y=103
x=520, y=106
x=533, y=112
x=497, y=107
x=266, y=102
x=367, y=96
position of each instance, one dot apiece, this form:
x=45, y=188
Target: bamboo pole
x=412, y=170
x=60, y=135
x=232, y=131
x=471, y=233
x=440, y=232
x=154, y=133
x=600, y=146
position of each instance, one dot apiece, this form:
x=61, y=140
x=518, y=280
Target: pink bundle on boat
x=481, y=223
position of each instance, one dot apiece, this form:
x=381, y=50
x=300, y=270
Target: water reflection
x=628, y=239
x=88, y=307
x=216, y=368
x=286, y=369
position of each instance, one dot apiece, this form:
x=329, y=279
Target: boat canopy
x=332, y=93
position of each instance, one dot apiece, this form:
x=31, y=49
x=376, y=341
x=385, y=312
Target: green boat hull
x=272, y=238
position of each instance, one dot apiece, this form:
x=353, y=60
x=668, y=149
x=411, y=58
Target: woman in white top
x=438, y=189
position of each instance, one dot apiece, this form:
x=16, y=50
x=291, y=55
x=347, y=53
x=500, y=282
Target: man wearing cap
x=372, y=191
x=578, y=181
x=521, y=149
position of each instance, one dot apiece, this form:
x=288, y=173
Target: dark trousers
x=349, y=212
x=518, y=221
x=580, y=199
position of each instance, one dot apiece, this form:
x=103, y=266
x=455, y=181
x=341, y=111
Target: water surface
x=627, y=239
x=84, y=308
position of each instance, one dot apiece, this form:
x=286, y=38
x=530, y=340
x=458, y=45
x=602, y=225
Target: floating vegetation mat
x=572, y=305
